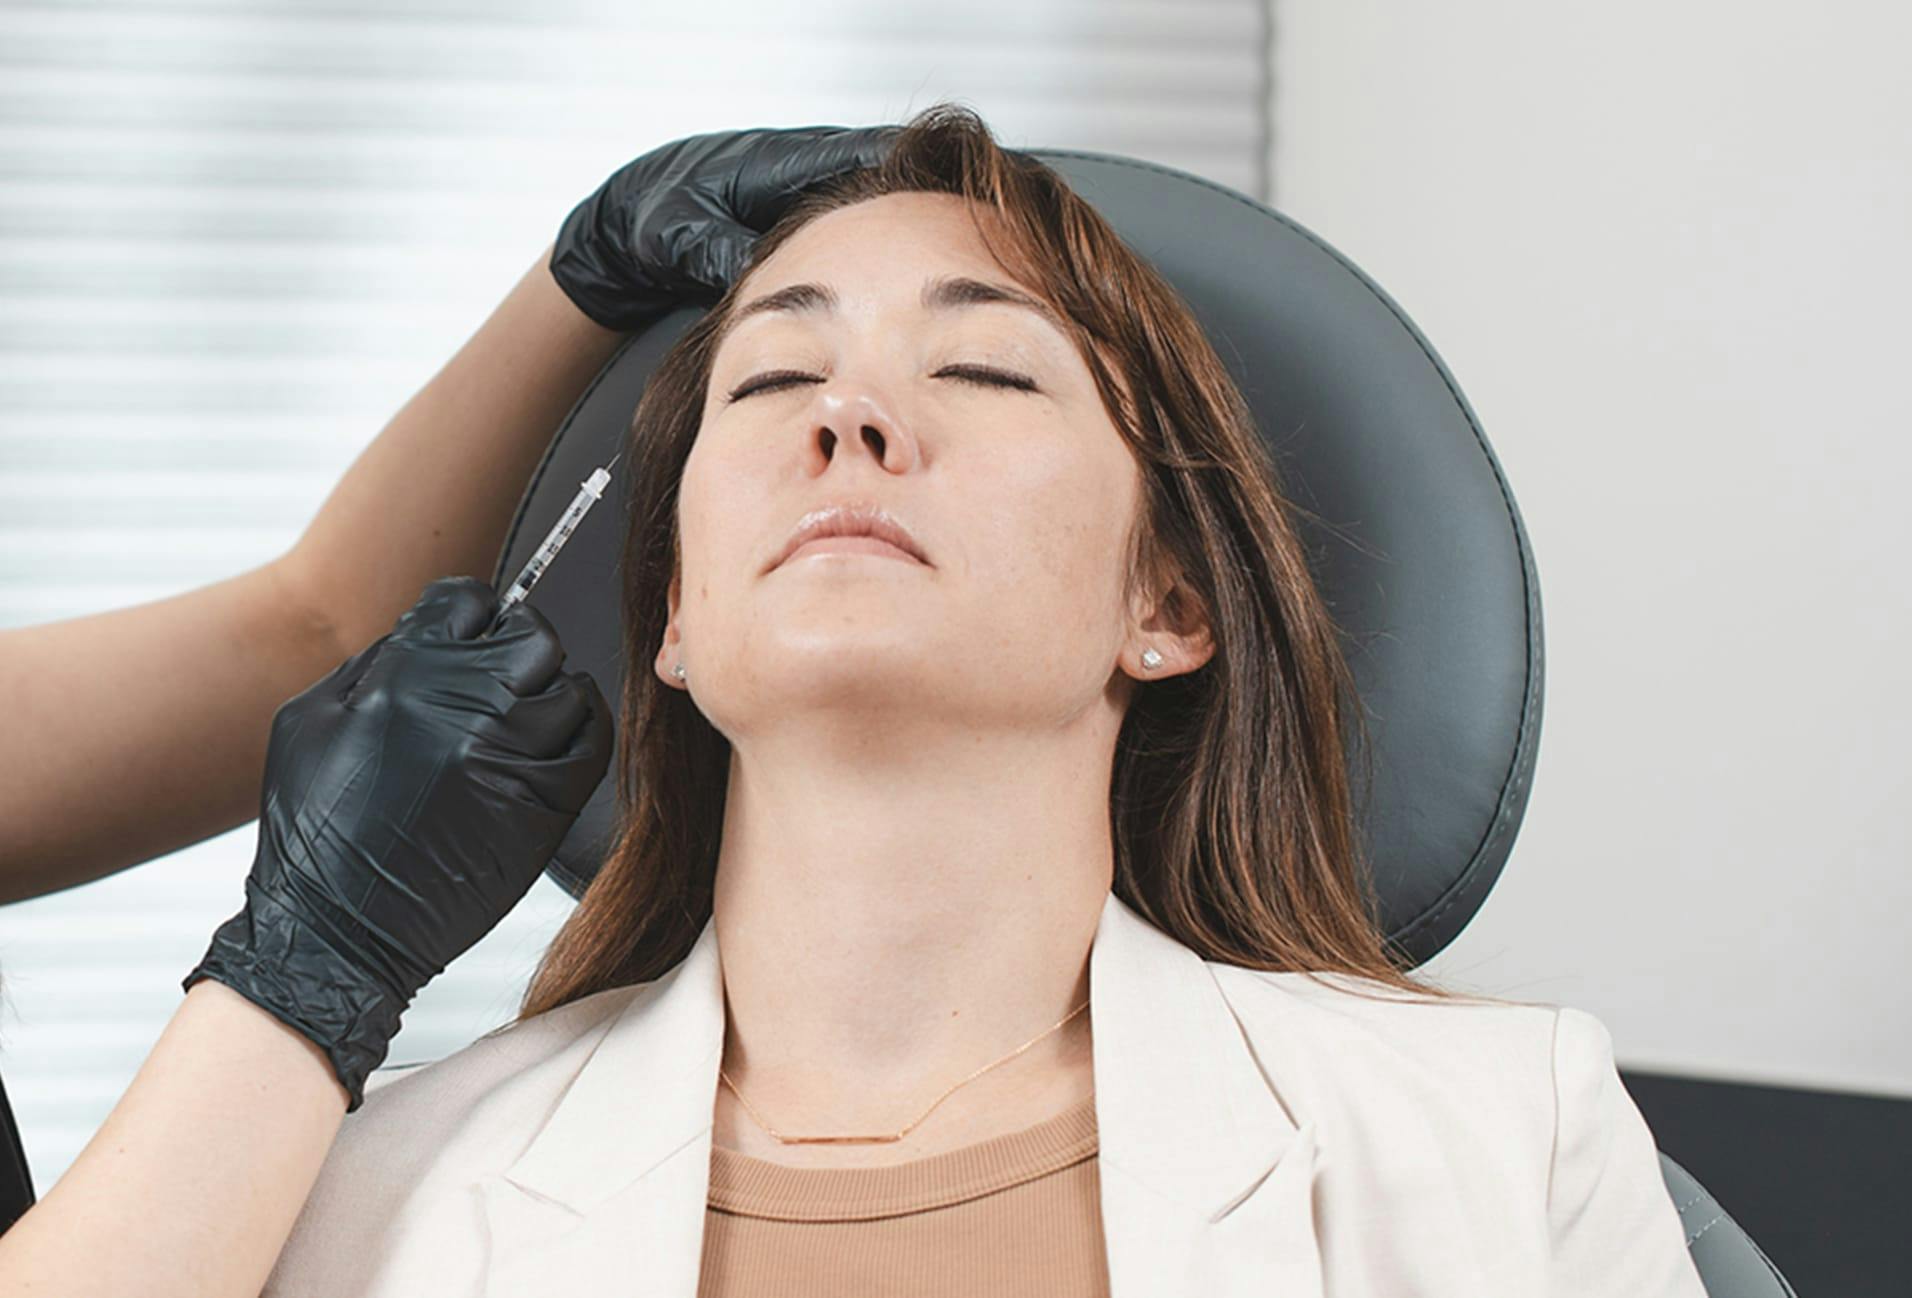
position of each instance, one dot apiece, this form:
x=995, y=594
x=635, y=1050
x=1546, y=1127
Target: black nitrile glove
x=411, y=799
x=677, y=224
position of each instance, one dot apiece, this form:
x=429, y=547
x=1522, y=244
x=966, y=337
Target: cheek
x=725, y=519
x=699, y=525
x=1059, y=530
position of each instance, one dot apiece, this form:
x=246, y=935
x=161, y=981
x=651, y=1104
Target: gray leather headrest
x=1422, y=557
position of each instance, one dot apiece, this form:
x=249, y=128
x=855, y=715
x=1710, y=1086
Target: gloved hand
x=677, y=223
x=411, y=799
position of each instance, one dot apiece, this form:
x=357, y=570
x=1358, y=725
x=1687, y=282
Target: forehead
x=885, y=232
x=920, y=251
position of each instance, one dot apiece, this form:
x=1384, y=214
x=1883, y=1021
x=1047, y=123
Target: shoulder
x=1349, y=1005
x=404, y=1163
x=507, y=1069
x=1499, y=1121
x=1339, y=1041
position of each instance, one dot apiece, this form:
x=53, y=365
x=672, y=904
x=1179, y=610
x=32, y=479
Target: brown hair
x=1233, y=821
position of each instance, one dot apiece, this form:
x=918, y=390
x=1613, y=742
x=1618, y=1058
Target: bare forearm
x=193, y=1183
x=139, y=731
x=434, y=495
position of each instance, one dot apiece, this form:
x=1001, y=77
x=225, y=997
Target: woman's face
x=1019, y=499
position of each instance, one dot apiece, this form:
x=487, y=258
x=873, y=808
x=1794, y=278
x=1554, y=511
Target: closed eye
x=976, y=374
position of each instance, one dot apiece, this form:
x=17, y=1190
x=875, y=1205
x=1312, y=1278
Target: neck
x=887, y=926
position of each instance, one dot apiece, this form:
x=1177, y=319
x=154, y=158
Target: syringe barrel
x=590, y=491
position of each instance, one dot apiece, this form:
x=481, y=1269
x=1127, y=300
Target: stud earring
x=1151, y=659
x=678, y=671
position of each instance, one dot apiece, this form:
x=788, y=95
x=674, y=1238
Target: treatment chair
x=1421, y=557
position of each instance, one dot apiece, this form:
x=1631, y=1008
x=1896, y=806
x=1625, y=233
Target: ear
x=1173, y=624
x=671, y=651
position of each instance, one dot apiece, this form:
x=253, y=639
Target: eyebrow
x=942, y=293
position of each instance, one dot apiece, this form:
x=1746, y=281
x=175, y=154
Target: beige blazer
x=1260, y=1135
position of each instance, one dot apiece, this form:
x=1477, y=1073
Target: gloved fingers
x=715, y=260
x=523, y=650
x=541, y=786
x=544, y=724
x=776, y=167
x=451, y=608
x=560, y=780
x=780, y=164
x=596, y=741
x=678, y=223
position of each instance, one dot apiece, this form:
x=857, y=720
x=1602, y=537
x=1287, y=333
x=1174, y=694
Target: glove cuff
x=267, y=954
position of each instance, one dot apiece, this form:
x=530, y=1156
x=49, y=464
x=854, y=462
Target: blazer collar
x=1205, y=1179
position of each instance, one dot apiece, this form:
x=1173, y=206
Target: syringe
x=589, y=492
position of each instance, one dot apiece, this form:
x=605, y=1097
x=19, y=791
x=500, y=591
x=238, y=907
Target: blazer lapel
x=612, y=1189
x=1206, y=1182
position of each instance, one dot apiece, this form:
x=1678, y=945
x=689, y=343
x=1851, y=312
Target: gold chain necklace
x=878, y=1140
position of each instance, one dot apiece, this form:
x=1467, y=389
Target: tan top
x=1016, y=1215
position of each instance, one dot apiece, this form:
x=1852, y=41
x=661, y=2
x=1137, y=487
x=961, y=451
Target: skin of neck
x=893, y=916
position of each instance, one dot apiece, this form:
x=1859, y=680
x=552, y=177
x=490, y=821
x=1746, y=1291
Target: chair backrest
x=1729, y=1262
x=1419, y=550
x=1416, y=545
x=16, y=1181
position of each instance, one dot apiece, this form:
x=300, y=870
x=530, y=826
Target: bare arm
x=138, y=731
x=192, y=1185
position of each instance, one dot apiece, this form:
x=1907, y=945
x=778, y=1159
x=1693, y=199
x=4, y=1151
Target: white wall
x=1664, y=250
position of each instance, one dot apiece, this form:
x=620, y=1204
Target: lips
x=852, y=545
x=851, y=519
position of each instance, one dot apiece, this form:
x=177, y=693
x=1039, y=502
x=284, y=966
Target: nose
x=859, y=421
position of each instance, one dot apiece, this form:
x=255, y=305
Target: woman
x=1019, y=818
x=191, y=1184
